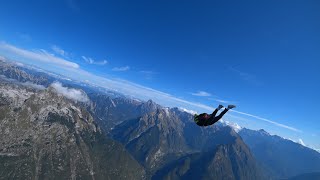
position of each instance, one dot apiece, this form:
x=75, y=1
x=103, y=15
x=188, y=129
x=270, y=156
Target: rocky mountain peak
x=45, y=135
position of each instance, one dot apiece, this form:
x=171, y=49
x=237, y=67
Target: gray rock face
x=231, y=160
x=170, y=146
x=153, y=139
x=45, y=136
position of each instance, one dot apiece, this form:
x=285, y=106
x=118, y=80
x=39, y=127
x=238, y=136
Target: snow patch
x=166, y=109
x=301, y=142
x=188, y=111
x=233, y=125
x=17, y=96
x=8, y=154
x=158, y=154
x=113, y=104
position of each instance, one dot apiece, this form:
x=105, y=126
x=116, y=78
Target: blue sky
x=262, y=56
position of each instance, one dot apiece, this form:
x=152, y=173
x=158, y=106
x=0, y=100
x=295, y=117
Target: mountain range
x=48, y=134
x=281, y=158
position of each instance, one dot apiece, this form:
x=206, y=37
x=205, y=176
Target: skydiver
x=205, y=119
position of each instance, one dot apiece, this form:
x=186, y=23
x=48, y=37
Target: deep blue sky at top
x=263, y=55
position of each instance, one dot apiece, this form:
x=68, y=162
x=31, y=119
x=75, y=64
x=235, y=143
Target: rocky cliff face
x=153, y=139
x=169, y=145
x=43, y=135
x=231, y=160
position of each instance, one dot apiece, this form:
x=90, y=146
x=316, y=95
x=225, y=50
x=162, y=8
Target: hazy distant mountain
x=46, y=136
x=22, y=74
x=281, y=158
x=110, y=111
x=307, y=176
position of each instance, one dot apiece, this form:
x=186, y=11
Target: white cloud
x=40, y=55
x=27, y=84
x=89, y=60
x=70, y=93
x=301, y=142
x=124, y=68
x=201, y=93
x=59, y=51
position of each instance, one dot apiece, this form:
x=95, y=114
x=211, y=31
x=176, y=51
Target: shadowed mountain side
x=232, y=160
x=164, y=137
x=311, y=176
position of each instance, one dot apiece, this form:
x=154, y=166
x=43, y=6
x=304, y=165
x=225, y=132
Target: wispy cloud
x=122, y=86
x=70, y=93
x=149, y=75
x=250, y=78
x=39, y=55
x=223, y=101
x=24, y=36
x=267, y=120
x=89, y=60
x=27, y=83
x=201, y=93
x=59, y=51
x=124, y=68
x=148, y=72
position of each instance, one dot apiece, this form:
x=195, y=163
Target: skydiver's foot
x=231, y=106
x=220, y=107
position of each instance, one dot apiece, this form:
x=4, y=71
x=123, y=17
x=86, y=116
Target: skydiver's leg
x=217, y=118
x=212, y=118
x=211, y=121
x=216, y=110
x=224, y=112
